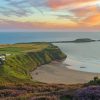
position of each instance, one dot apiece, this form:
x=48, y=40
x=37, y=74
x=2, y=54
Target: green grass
x=25, y=58
x=65, y=98
x=17, y=48
x=10, y=49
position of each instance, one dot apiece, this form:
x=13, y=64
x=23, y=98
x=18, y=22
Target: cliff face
x=17, y=67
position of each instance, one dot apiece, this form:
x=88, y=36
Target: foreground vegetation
x=37, y=91
x=41, y=91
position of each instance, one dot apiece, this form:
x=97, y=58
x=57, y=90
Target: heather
x=88, y=93
x=37, y=91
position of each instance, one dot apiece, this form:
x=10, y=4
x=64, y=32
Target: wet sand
x=57, y=72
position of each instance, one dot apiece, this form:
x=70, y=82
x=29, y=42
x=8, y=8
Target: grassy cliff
x=24, y=58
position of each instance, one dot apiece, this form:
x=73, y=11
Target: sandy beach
x=57, y=72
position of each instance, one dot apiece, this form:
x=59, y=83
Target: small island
x=81, y=40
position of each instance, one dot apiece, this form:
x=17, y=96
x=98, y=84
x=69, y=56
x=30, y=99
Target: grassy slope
x=25, y=58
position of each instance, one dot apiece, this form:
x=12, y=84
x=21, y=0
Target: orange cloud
x=92, y=21
x=36, y=25
x=85, y=11
x=56, y=4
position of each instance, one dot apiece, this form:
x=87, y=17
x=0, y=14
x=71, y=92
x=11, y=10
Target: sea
x=80, y=56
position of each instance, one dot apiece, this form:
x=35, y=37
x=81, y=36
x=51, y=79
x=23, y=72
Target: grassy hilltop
x=24, y=58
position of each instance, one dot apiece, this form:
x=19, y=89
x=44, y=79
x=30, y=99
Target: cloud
x=69, y=17
x=13, y=12
x=85, y=12
x=25, y=4
x=54, y=14
x=21, y=7
x=70, y=4
x=9, y=24
x=93, y=20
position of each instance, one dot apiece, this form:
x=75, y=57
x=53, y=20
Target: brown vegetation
x=36, y=91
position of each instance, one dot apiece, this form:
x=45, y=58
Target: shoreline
x=57, y=72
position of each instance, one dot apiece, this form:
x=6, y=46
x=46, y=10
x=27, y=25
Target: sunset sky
x=49, y=15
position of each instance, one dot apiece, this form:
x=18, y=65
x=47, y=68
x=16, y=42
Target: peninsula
x=21, y=59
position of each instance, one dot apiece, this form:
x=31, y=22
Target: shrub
x=95, y=81
x=88, y=93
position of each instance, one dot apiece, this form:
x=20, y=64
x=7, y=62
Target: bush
x=88, y=93
x=95, y=81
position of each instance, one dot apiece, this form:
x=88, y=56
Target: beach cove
x=57, y=72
